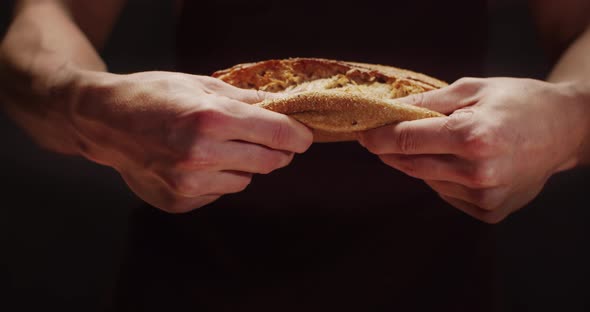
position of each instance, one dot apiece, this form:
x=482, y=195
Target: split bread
x=334, y=98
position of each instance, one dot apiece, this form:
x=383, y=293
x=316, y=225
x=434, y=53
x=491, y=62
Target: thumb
x=445, y=100
x=252, y=96
x=249, y=96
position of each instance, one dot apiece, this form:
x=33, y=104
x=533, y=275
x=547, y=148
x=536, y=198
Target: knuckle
x=466, y=84
x=202, y=159
x=208, y=84
x=184, y=132
x=406, y=141
x=209, y=120
x=463, y=81
x=275, y=161
x=492, y=217
x=280, y=134
x=485, y=199
x=186, y=186
x=199, y=157
x=267, y=168
x=460, y=122
x=481, y=142
x=484, y=175
x=183, y=185
x=240, y=185
x=211, y=82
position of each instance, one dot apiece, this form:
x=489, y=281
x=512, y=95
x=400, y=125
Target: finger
x=252, y=96
x=235, y=155
x=431, y=167
x=249, y=96
x=258, y=125
x=487, y=199
x=491, y=217
x=183, y=204
x=448, y=99
x=254, y=158
x=423, y=136
x=192, y=184
x=151, y=190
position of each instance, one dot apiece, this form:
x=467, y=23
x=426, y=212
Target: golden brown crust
x=337, y=114
x=335, y=98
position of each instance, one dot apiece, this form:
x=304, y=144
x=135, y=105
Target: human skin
x=179, y=141
x=503, y=137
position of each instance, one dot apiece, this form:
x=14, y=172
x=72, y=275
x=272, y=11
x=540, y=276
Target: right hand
x=181, y=141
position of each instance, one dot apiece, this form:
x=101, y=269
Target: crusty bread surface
x=335, y=99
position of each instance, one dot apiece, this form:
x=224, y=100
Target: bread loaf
x=335, y=98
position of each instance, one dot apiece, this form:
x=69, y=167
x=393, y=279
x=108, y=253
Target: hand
x=181, y=141
x=501, y=142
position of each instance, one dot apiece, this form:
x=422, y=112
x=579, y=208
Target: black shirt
x=337, y=229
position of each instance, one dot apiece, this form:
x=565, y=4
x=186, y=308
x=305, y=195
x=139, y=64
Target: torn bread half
x=335, y=98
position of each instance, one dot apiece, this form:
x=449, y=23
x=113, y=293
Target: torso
x=336, y=228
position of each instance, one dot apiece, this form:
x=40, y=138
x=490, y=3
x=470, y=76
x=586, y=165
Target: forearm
x=573, y=70
x=40, y=57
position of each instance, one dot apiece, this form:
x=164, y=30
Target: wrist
x=40, y=100
x=80, y=94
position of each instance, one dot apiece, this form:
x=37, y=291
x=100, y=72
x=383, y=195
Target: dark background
x=64, y=221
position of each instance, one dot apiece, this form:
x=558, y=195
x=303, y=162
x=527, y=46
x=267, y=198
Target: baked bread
x=334, y=98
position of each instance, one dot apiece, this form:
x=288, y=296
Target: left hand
x=501, y=141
